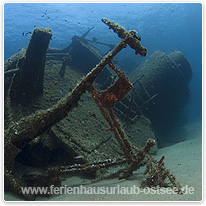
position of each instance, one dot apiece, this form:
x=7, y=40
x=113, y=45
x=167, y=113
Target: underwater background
x=162, y=26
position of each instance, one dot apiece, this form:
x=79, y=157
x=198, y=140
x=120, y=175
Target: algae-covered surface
x=83, y=136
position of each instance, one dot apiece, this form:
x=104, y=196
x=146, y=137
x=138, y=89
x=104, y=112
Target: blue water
x=164, y=27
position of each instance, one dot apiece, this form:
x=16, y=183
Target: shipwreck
x=61, y=115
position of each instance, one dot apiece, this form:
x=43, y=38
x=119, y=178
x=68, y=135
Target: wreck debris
x=20, y=133
x=159, y=175
x=160, y=88
x=81, y=168
x=11, y=68
x=29, y=80
x=31, y=126
x=8, y=100
x=66, y=60
x=12, y=62
x=26, y=129
x=94, y=40
x=118, y=132
x=86, y=33
x=130, y=37
x=79, y=51
x=80, y=55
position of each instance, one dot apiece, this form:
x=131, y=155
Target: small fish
x=34, y=25
x=65, y=20
x=94, y=115
x=78, y=22
x=29, y=32
x=19, y=49
x=42, y=16
x=61, y=44
x=22, y=34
